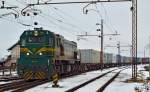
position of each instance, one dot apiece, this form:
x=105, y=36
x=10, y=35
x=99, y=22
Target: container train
x=42, y=53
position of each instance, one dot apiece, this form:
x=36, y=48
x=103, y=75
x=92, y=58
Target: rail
x=101, y=89
x=87, y=82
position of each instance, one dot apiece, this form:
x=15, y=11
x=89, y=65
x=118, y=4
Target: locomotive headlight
x=40, y=53
x=28, y=54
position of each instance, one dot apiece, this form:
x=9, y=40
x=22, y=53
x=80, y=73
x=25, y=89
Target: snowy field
x=13, y=73
x=68, y=83
x=118, y=85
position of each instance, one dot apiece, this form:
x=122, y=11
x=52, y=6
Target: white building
x=15, y=54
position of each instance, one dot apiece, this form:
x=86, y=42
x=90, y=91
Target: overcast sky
x=69, y=21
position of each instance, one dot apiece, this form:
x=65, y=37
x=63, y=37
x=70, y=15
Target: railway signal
x=7, y=7
x=16, y=14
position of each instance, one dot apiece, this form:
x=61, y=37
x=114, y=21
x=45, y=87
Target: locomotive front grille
x=30, y=75
x=40, y=75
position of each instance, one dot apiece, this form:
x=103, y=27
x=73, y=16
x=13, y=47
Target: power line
x=108, y=18
x=21, y=2
x=79, y=2
x=73, y=18
x=15, y=22
x=61, y=27
x=69, y=24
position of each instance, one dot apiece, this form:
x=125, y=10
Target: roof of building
x=17, y=43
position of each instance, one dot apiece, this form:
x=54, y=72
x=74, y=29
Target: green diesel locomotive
x=42, y=52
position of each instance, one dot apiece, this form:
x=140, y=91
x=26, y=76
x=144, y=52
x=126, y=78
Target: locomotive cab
x=36, y=54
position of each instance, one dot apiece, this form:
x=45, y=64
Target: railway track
x=105, y=83
x=6, y=79
x=22, y=85
x=19, y=86
x=101, y=89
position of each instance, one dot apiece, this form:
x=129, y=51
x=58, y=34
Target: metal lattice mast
x=134, y=38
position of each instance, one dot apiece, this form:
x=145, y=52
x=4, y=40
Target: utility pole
x=119, y=56
x=119, y=51
x=102, y=39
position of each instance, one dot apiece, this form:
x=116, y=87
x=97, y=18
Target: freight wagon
x=89, y=56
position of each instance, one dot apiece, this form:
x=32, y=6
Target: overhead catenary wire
x=57, y=25
x=22, y=2
x=70, y=16
x=66, y=23
x=10, y=20
x=62, y=27
x=108, y=18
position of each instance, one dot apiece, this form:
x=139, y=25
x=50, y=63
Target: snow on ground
x=94, y=86
x=116, y=86
x=119, y=86
x=7, y=74
x=68, y=83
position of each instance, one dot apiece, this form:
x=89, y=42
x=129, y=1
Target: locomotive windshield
x=36, y=39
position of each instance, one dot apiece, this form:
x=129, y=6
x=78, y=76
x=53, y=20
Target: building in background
x=14, y=54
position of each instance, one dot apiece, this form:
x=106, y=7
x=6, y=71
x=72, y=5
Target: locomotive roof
x=38, y=29
x=57, y=35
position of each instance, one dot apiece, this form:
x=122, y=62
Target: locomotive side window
x=58, y=42
x=50, y=42
x=36, y=39
x=23, y=42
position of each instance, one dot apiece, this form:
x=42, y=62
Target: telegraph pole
x=119, y=51
x=101, y=54
x=102, y=40
x=119, y=56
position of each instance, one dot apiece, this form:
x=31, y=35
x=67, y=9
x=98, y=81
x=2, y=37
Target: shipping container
x=108, y=58
x=114, y=60
x=89, y=56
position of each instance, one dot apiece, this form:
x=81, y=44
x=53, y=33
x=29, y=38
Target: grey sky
x=69, y=21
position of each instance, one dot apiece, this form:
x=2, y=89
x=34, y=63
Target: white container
x=114, y=59
x=89, y=56
x=108, y=58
